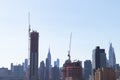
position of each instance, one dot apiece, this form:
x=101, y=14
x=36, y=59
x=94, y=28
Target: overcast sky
x=92, y=23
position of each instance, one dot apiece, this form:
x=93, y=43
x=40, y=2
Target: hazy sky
x=92, y=23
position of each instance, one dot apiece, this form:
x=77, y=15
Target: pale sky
x=92, y=23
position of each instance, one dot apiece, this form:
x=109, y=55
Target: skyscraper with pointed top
x=48, y=66
x=112, y=59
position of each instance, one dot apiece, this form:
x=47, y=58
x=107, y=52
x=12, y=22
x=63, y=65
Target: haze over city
x=92, y=23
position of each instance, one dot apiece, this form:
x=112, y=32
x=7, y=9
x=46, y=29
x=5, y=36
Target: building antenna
x=70, y=46
x=29, y=30
x=29, y=24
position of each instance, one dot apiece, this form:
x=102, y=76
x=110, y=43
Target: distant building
x=12, y=68
x=98, y=59
x=87, y=69
x=105, y=74
x=26, y=65
x=117, y=71
x=34, y=41
x=57, y=63
x=42, y=71
x=72, y=70
x=55, y=73
x=48, y=66
x=4, y=72
x=18, y=72
x=112, y=58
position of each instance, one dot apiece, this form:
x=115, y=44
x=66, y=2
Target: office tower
x=48, y=66
x=12, y=68
x=87, y=69
x=55, y=73
x=26, y=65
x=98, y=59
x=57, y=62
x=72, y=70
x=19, y=71
x=112, y=59
x=105, y=74
x=42, y=71
x=34, y=41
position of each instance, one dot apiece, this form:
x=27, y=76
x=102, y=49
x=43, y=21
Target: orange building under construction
x=72, y=70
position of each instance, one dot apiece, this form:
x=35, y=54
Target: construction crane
x=69, y=46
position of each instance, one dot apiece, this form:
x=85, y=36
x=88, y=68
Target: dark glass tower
x=98, y=59
x=34, y=41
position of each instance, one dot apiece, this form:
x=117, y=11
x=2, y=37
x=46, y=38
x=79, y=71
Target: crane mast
x=70, y=46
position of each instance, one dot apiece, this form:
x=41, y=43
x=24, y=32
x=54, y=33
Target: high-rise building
x=48, y=66
x=112, y=59
x=34, y=41
x=26, y=65
x=72, y=70
x=105, y=74
x=55, y=73
x=12, y=68
x=57, y=62
x=42, y=71
x=98, y=59
x=87, y=69
x=19, y=71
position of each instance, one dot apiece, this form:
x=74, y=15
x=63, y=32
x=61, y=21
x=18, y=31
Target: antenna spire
x=29, y=23
x=70, y=46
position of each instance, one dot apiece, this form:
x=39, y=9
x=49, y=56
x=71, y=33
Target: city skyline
x=92, y=23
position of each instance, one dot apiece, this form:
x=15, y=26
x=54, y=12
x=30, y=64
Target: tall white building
x=112, y=59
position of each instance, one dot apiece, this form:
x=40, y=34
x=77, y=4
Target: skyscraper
x=34, y=40
x=26, y=65
x=98, y=59
x=42, y=71
x=87, y=69
x=57, y=62
x=112, y=59
x=48, y=66
x=55, y=73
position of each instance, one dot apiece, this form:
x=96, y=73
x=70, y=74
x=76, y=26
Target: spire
x=49, y=54
x=29, y=23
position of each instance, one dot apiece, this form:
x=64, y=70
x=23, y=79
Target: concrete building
x=72, y=70
x=34, y=41
x=105, y=74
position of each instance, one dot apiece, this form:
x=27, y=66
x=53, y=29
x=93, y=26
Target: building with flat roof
x=72, y=70
x=34, y=41
x=105, y=74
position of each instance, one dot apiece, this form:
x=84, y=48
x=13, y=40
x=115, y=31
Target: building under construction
x=72, y=70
